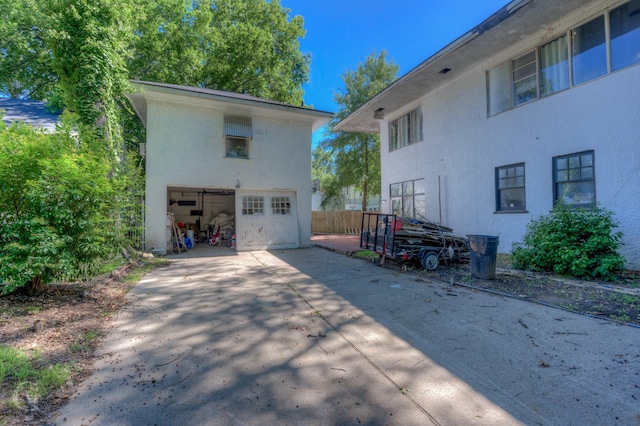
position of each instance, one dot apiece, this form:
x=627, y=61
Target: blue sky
x=342, y=33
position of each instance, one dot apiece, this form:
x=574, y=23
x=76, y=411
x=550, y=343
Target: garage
x=266, y=219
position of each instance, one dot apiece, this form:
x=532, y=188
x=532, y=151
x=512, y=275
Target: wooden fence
x=340, y=222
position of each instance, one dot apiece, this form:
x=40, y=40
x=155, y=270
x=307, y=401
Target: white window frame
x=281, y=205
x=501, y=83
x=252, y=205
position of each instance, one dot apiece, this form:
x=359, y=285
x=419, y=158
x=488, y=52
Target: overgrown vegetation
x=45, y=350
x=580, y=243
x=62, y=208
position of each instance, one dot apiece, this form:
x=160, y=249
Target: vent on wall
x=196, y=212
x=186, y=202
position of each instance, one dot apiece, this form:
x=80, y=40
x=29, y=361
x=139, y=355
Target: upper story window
x=589, y=51
x=585, y=52
x=554, y=66
x=405, y=130
x=510, y=195
x=238, y=133
x=625, y=35
x=574, y=180
x=525, y=78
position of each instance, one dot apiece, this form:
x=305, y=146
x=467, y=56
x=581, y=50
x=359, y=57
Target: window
x=589, y=52
x=625, y=35
x=280, y=205
x=574, y=179
x=408, y=199
x=525, y=78
x=498, y=82
x=237, y=147
x=510, y=188
x=252, y=204
x=405, y=130
x=581, y=54
x=554, y=66
x=238, y=132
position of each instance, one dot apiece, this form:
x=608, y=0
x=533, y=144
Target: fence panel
x=336, y=222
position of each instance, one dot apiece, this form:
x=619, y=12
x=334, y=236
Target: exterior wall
x=462, y=147
x=186, y=147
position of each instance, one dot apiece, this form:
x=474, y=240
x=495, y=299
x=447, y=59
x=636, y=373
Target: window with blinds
x=238, y=133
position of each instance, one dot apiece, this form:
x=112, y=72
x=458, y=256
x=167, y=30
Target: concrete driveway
x=312, y=337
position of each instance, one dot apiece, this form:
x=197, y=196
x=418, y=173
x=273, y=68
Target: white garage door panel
x=269, y=230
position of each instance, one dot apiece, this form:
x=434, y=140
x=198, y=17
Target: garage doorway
x=207, y=214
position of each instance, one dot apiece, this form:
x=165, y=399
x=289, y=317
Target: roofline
x=232, y=97
x=492, y=21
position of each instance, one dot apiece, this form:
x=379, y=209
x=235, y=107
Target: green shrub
x=63, y=208
x=580, y=243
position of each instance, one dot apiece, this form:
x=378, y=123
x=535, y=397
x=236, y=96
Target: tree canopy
x=356, y=156
x=81, y=53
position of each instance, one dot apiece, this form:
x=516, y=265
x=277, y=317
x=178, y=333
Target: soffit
x=229, y=102
x=519, y=20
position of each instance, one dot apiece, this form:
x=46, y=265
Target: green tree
x=357, y=155
x=323, y=175
x=248, y=46
x=25, y=67
x=88, y=41
x=60, y=211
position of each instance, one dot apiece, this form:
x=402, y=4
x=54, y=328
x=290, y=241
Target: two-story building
x=217, y=158
x=539, y=103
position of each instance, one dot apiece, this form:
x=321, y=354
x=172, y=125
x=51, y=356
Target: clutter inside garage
x=200, y=216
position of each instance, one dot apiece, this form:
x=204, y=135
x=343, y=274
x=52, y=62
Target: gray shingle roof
x=29, y=112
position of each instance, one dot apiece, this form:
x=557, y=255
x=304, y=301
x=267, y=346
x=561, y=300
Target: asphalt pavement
x=314, y=337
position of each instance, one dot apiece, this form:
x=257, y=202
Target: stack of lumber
x=412, y=235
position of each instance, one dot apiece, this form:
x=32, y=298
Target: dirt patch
x=617, y=301
x=64, y=325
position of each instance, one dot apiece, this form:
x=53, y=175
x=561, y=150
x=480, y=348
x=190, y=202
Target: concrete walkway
x=312, y=337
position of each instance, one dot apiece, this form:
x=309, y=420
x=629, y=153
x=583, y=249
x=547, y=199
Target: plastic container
x=482, y=256
x=190, y=234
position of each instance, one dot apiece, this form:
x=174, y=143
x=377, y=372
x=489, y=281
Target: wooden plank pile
x=411, y=236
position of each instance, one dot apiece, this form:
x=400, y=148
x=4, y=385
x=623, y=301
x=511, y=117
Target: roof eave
x=427, y=75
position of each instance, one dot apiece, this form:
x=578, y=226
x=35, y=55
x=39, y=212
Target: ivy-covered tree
x=357, y=155
x=88, y=41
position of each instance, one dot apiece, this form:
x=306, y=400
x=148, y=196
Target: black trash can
x=482, y=256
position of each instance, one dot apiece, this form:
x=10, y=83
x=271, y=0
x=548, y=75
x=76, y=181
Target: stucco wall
x=463, y=146
x=185, y=147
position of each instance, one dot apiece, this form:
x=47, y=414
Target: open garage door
x=203, y=210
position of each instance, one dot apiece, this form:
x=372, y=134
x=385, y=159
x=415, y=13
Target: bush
x=580, y=243
x=61, y=207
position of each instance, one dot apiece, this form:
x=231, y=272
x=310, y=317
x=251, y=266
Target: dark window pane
x=589, y=51
x=625, y=35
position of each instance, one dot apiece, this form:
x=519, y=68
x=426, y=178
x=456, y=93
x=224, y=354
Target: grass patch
x=136, y=274
x=22, y=372
x=367, y=255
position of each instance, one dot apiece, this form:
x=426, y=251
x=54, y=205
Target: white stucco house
x=212, y=154
x=540, y=102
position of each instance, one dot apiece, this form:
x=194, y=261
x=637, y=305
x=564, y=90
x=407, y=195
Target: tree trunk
x=34, y=287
